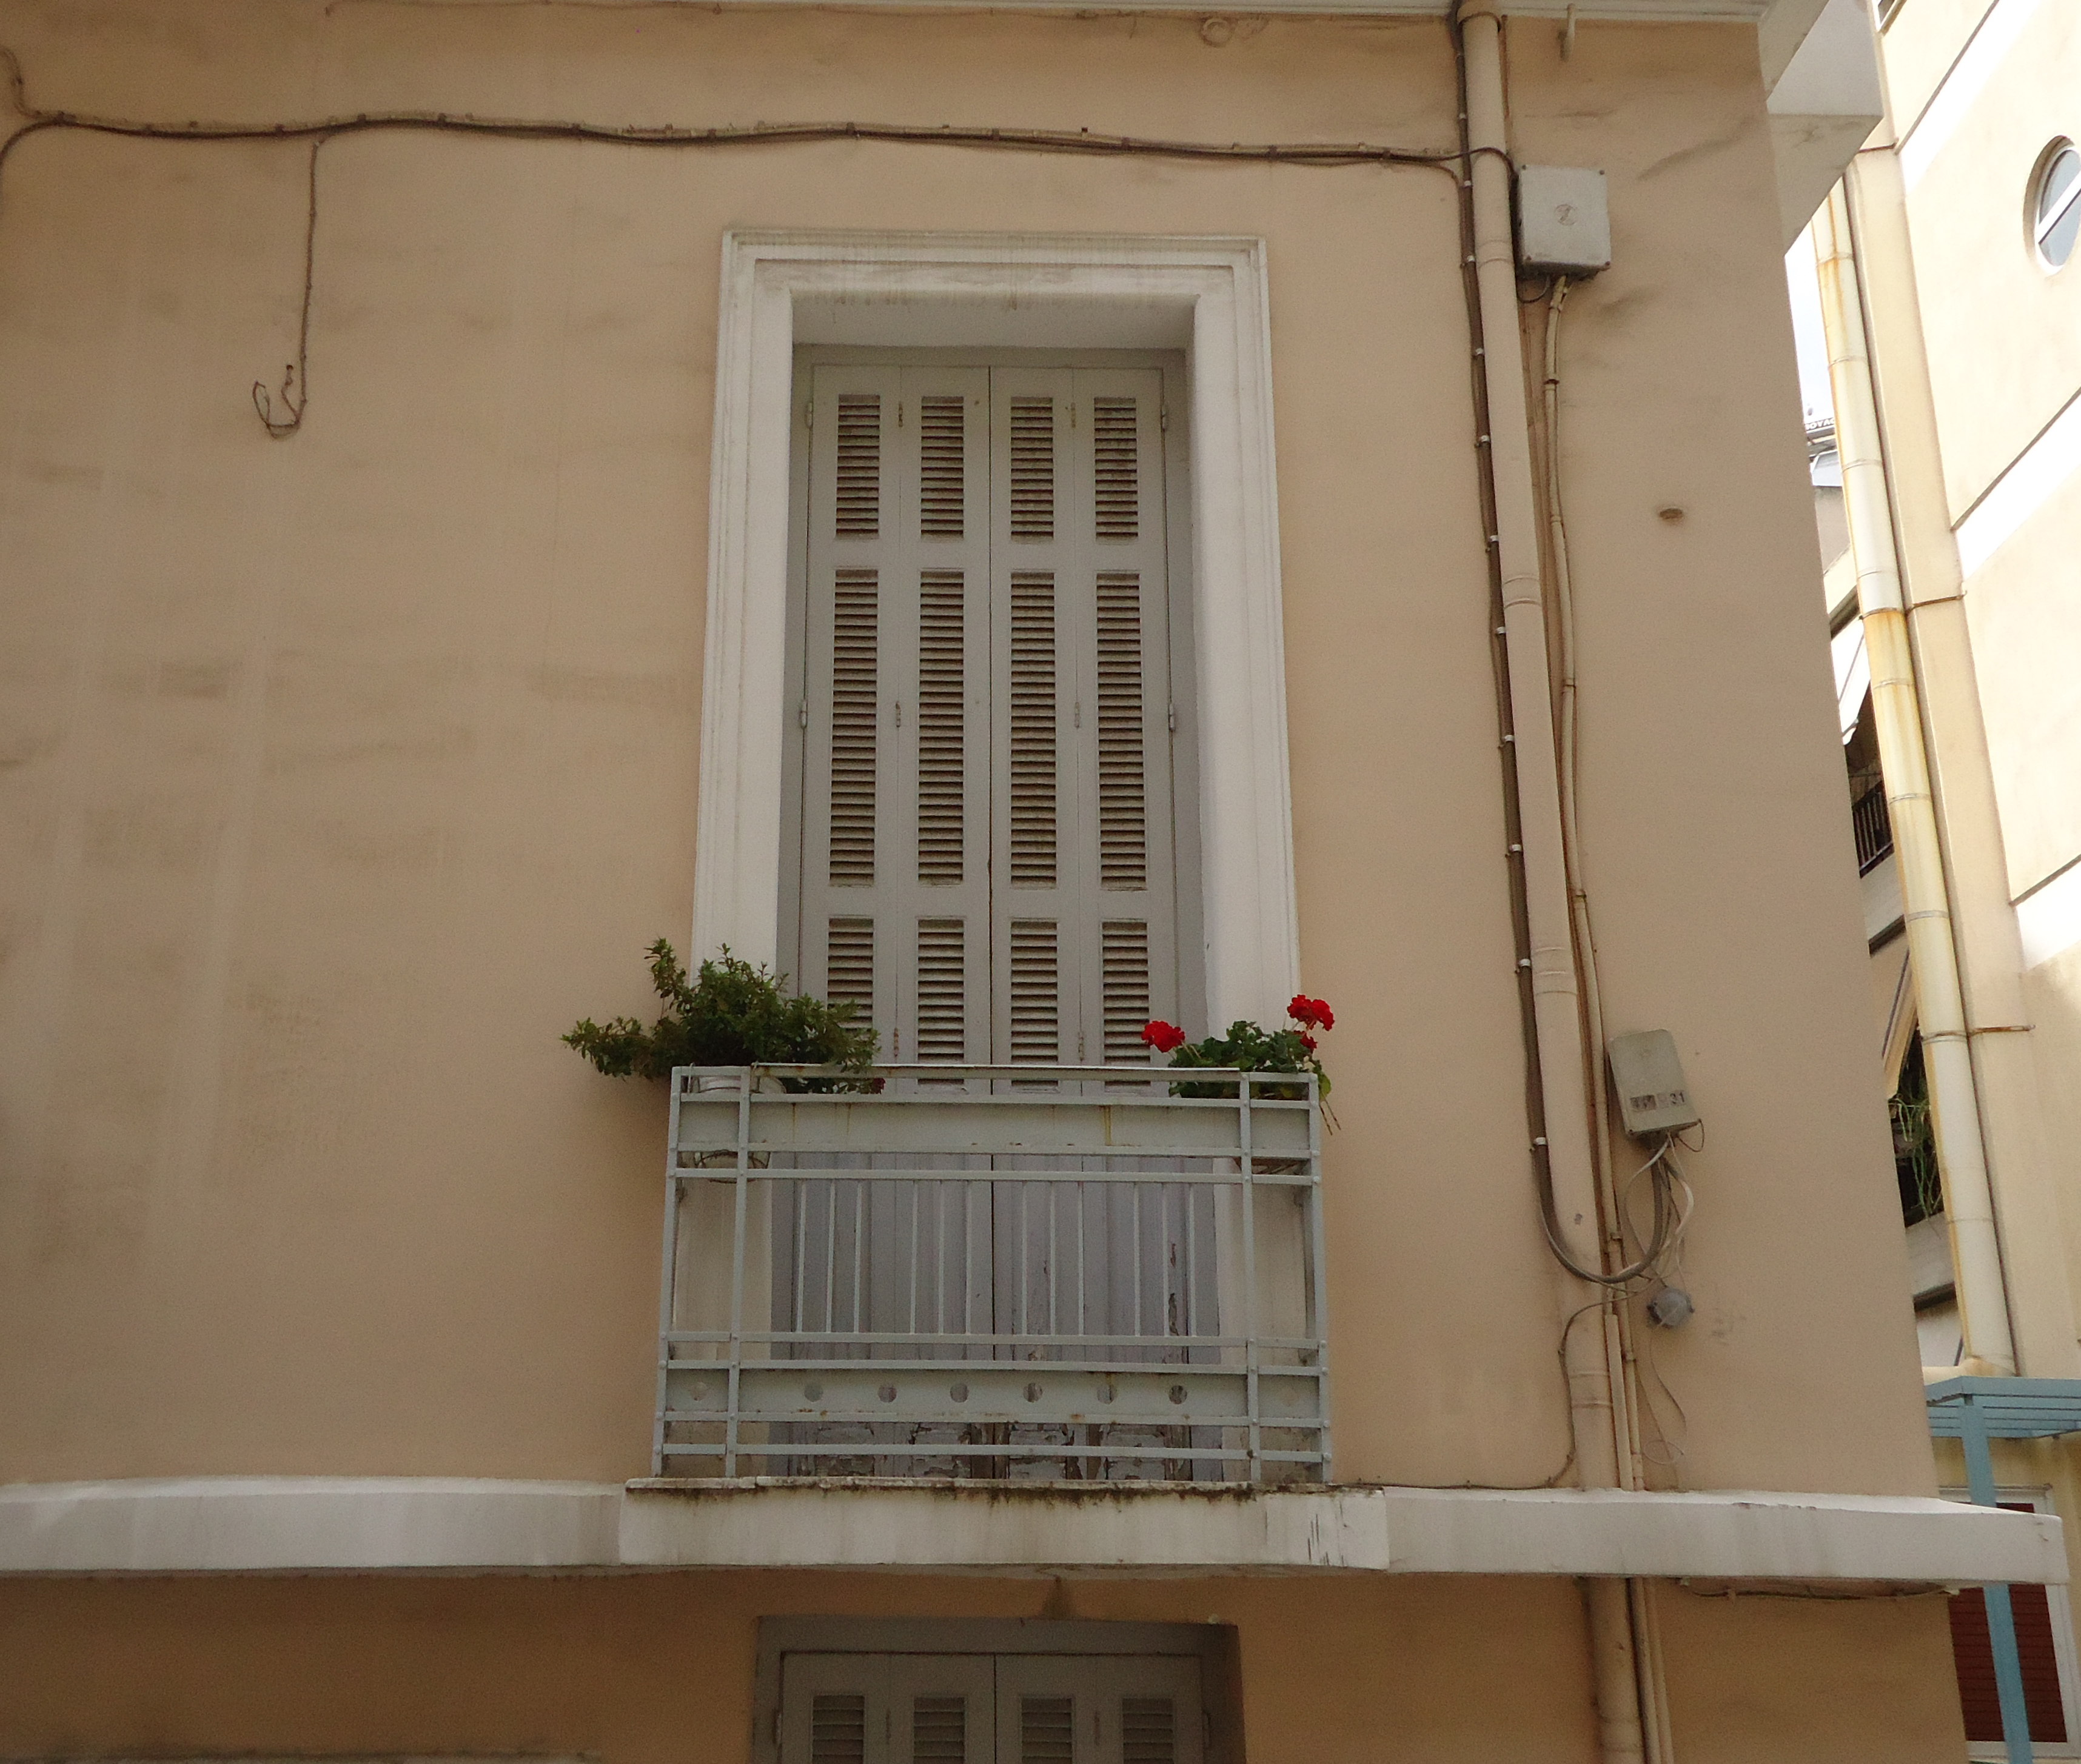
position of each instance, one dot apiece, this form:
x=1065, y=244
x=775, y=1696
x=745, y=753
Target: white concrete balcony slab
x=299, y=1525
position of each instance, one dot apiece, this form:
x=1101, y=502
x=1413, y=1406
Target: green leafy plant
x=731, y=1014
x=1249, y=1047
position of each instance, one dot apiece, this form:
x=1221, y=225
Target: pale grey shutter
x=1126, y=882
x=887, y=1709
x=895, y=867
x=1085, y=929
x=1080, y=1709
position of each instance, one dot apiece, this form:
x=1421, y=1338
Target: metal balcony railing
x=1874, y=828
x=1033, y=1272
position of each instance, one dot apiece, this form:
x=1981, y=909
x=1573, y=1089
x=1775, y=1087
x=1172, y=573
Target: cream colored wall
x=1920, y=47
x=351, y=768
x=2004, y=335
x=631, y=1669
x=2025, y=619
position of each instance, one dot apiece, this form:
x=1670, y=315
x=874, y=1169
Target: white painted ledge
x=295, y=1524
x=1062, y=1527
x=348, y=1524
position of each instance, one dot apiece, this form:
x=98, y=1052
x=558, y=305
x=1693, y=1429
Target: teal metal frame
x=1974, y=1411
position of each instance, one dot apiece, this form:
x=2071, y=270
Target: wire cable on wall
x=295, y=391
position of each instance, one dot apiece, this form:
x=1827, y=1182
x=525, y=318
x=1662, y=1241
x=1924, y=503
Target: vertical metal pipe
x=1940, y=1002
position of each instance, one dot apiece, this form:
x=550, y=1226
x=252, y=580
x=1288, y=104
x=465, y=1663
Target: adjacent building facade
x=1953, y=312
x=1029, y=522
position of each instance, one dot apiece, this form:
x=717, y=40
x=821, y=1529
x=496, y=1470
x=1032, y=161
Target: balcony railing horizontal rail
x=995, y=1272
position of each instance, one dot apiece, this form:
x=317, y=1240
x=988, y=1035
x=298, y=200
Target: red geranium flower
x=1162, y=1036
x=1311, y=1012
x=1307, y=1041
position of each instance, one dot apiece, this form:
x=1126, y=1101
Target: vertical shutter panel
x=1973, y=1653
x=838, y=1730
x=1047, y=1733
x=849, y=965
x=1036, y=992
x=1124, y=962
x=943, y=465
x=860, y=465
x=1122, y=806
x=1034, y=807
x=942, y=991
x=1117, y=467
x=1033, y=467
x=938, y=1730
x=856, y=665
x=942, y=726
x=1148, y=1730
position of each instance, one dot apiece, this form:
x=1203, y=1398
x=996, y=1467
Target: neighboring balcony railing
x=1033, y=1272
x=1874, y=828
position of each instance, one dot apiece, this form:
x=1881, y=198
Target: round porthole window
x=2055, y=205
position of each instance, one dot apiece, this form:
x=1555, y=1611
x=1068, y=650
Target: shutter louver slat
x=838, y=1730
x=1035, y=1009
x=1116, y=446
x=1148, y=1731
x=1046, y=1730
x=1032, y=817
x=1032, y=468
x=860, y=465
x=943, y=988
x=1123, y=965
x=938, y=1730
x=942, y=726
x=849, y=966
x=855, y=667
x=942, y=467
x=1123, y=808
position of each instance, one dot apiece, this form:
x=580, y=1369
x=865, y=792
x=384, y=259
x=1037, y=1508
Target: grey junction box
x=1564, y=220
x=1648, y=1078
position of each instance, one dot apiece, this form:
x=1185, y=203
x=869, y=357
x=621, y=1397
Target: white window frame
x=1207, y=295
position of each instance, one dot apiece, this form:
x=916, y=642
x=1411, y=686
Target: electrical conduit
x=1562, y=1055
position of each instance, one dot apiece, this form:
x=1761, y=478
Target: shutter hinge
x=809, y=421
x=899, y=413
x=1077, y=713
x=1073, y=413
x=899, y=713
x=1163, y=416
x=802, y=715
x=1171, y=716
x=1080, y=1060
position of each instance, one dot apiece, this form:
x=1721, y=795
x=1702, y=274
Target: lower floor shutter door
x=887, y=1709
x=1117, y=1709
x=1972, y=1648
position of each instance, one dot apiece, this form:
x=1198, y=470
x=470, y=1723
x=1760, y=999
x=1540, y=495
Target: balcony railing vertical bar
x=1318, y=1275
x=1117, y=1353
x=1249, y=1167
x=1872, y=824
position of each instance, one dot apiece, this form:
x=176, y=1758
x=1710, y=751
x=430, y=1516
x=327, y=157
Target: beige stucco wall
x=2025, y=619
x=346, y=771
x=630, y=1669
x=2003, y=335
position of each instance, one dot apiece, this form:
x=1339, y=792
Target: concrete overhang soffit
x=293, y=1525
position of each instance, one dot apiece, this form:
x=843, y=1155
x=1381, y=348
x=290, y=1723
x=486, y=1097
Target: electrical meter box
x=1648, y=1079
x=1563, y=222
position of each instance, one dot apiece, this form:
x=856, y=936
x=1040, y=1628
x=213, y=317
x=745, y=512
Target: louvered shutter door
x=1081, y=1709
x=1084, y=930
x=886, y=1709
x=1973, y=1653
x=1127, y=941
x=895, y=853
